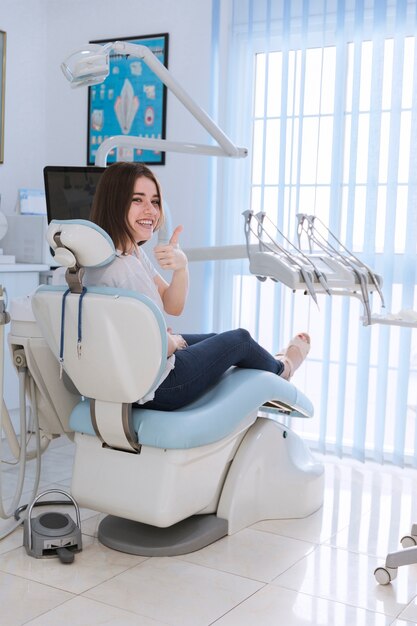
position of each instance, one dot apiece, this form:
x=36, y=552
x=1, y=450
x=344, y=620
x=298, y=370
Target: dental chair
x=169, y=482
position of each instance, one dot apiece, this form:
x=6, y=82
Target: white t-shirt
x=127, y=271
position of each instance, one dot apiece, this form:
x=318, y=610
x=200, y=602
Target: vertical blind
x=324, y=94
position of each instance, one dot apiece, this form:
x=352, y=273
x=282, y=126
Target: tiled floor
x=316, y=571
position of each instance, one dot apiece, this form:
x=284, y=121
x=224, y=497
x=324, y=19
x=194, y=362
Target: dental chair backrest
x=111, y=342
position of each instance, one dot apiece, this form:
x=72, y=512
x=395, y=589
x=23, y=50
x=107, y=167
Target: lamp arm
x=145, y=54
x=159, y=145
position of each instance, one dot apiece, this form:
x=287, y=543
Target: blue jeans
x=201, y=365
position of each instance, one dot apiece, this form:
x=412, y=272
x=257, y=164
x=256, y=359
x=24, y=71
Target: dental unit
x=170, y=483
x=327, y=266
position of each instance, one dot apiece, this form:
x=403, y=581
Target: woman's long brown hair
x=113, y=199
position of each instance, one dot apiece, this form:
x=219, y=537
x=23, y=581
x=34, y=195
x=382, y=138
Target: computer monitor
x=69, y=191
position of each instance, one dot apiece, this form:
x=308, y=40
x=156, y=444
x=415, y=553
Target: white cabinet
x=18, y=280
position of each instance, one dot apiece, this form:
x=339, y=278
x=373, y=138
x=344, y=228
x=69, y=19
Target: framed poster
x=131, y=101
x=2, y=88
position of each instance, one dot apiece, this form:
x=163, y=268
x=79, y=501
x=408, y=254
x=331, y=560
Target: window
x=334, y=125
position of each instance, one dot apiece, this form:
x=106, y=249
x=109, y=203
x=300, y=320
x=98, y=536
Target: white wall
x=25, y=98
x=46, y=121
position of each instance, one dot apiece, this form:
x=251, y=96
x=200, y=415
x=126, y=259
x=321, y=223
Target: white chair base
x=273, y=476
x=263, y=472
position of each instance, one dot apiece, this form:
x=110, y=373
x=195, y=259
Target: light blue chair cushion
x=210, y=418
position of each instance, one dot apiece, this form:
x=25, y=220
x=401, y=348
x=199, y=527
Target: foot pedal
x=65, y=555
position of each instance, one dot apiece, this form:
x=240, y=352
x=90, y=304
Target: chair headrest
x=80, y=242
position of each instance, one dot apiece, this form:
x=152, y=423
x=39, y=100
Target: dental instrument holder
x=329, y=269
x=364, y=275
x=51, y=533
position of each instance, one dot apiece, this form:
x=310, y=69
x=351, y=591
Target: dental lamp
x=90, y=66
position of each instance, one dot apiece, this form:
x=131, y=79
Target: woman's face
x=145, y=210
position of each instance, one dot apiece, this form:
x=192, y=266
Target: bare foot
x=294, y=354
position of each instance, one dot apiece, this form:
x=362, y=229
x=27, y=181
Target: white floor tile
x=52, y=470
x=319, y=569
x=376, y=534
x=10, y=483
x=274, y=605
x=393, y=510
x=343, y=576
x=318, y=527
x=347, y=497
x=22, y=600
x=90, y=525
x=410, y=612
x=175, y=592
x=251, y=553
x=93, y=565
x=84, y=612
x=15, y=539
x=12, y=541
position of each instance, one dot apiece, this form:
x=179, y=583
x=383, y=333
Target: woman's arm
x=171, y=257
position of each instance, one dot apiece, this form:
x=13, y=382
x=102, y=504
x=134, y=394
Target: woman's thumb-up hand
x=170, y=256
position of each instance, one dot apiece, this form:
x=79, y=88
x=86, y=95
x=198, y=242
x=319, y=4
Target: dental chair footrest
x=186, y=536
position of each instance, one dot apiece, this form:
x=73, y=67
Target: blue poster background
x=131, y=101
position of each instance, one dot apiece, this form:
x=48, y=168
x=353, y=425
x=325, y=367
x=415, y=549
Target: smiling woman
x=128, y=205
x=2, y=88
